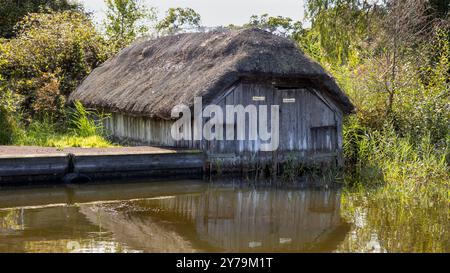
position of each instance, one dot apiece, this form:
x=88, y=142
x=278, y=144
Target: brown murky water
x=182, y=216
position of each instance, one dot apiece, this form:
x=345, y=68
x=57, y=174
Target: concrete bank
x=17, y=166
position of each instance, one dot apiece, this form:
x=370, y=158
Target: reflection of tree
x=388, y=225
x=50, y=229
x=10, y=221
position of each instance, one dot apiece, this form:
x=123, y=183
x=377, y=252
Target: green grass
x=410, y=168
x=64, y=140
x=84, y=129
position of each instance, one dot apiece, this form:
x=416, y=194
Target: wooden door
x=290, y=118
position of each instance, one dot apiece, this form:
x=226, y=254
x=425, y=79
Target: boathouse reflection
x=229, y=219
x=172, y=217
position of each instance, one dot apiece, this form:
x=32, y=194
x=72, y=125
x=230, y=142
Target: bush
x=50, y=55
x=8, y=115
x=48, y=101
x=7, y=128
x=12, y=11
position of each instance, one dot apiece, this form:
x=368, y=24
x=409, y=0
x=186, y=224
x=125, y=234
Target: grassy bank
x=81, y=128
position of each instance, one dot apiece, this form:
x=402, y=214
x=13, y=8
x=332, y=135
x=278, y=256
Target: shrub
x=50, y=55
x=7, y=128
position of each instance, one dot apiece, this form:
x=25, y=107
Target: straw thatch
x=149, y=77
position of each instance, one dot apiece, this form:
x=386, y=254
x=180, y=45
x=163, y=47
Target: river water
x=187, y=216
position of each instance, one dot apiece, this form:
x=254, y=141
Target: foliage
x=13, y=11
x=178, y=18
x=7, y=125
x=126, y=20
x=396, y=192
x=86, y=123
x=8, y=109
x=392, y=62
x=85, y=130
x=383, y=156
x=50, y=56
x=338, y=32
x=392, y=59
x=280, y=25
x=400, y=191
x=43, y=133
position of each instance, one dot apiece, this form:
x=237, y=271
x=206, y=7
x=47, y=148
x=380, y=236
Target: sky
x=216, y=12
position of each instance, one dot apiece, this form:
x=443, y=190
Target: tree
x=126, y=20
x=400, y=49
x=177, y=19
x=382, y=54
x=284, y=26
x=12, y=11
x=50, y=55
x=440, y=8
x=339, y=26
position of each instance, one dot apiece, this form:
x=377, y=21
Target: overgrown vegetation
x=177, y=19
x=83, y=129
x=12, y=11
x=49, y=56
x=47, y=48
x=392, y=59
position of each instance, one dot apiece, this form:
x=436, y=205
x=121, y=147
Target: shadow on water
x=179, y=216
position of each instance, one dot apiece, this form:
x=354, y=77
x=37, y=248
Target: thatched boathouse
x=143, y=82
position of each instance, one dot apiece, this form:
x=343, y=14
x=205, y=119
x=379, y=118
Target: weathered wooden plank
x=301, y=112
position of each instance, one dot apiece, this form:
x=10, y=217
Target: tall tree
x=12, y=11
x=126, y=20
x=178, y=18
x=278, y=25
x=339, y=25
x=406, y=29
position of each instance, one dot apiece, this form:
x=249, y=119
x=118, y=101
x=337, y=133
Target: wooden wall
x=140, y=130
x=310, y=124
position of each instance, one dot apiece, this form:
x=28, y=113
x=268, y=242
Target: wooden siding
x=140, y=130
x=310, y=123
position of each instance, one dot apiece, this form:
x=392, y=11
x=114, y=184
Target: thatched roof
x=149, y=77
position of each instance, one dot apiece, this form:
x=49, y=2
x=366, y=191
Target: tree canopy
x=126, y=20
x=177, y=19
x=12, y=11
x=50, y=55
